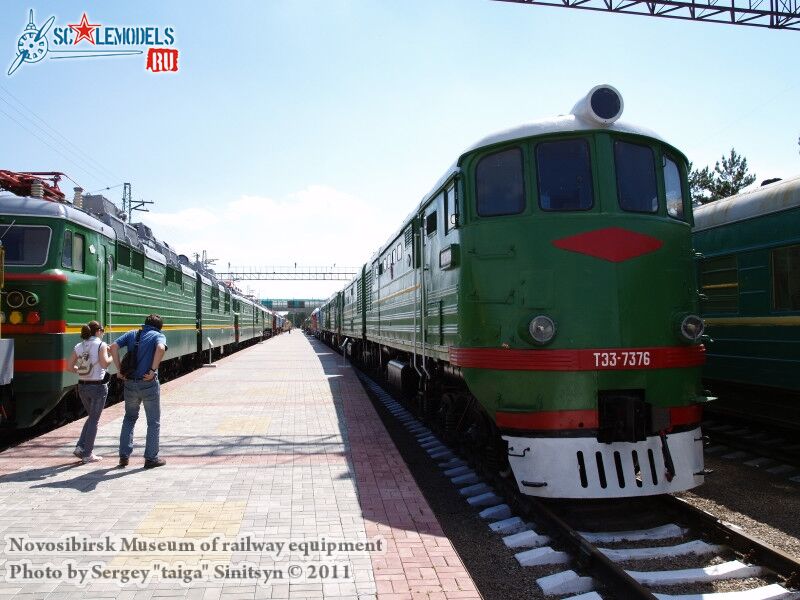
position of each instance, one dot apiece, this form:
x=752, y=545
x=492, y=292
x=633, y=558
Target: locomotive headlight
x=15, y=299
x=15, y=318
x=31, y=299
x=542, y=329
x=692, y=327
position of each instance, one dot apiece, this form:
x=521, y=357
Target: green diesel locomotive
x=67, y=264
x=541, y=304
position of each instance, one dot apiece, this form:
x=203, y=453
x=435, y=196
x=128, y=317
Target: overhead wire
x=110, y=187
x=75, y=160
x=96, y=166
x=49, y=145
x=758, y=106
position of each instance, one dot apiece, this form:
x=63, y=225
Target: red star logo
x=84, y=30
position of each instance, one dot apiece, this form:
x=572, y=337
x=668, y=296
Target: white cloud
x=316, y=226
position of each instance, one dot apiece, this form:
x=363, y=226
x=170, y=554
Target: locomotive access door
x=102, y=287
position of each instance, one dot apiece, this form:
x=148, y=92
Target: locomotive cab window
x=66, y=250
x=78, y=244
x=72, y=251
x=499, y=184
x=450, y=209
x=672, y=186
x=565, y=175
x=636, y=177
x=430, y=223
x=26, y=245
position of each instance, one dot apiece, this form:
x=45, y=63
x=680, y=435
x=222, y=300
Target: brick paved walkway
x=279, y=443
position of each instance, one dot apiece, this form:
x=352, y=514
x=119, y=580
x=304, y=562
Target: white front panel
x=581, y=467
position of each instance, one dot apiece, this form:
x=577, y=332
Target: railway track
x=655, y=547
x=766, y=446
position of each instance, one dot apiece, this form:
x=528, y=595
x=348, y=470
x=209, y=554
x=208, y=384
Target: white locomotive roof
x=155, y=256
x=772, y=198
x=561, y=124
x=26, y=206
x=190, y=272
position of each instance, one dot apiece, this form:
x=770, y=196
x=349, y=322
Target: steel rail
x=598, y=565
x=753, y=549
x=754, y=447
x=607, y=572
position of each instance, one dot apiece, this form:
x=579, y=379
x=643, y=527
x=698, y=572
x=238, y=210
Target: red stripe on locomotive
x=591, y=359
x=40, y=366
x=582, y=419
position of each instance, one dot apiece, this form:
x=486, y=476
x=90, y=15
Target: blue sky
x=305, y=131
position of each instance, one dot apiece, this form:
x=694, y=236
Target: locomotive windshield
x=565, y=175
x=26, y=245
x=636, y=177
x=500, y=187
x=563, y=179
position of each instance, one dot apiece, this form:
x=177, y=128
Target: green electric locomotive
x=749, y=279
x=71, y=263
x=542, y=298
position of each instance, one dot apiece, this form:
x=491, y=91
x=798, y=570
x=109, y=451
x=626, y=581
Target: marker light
x=2, y=317
x=692, y=327
x=33, y=317
x=31, y=299
x=15, y=318
x=542, y=329
x=15, y=299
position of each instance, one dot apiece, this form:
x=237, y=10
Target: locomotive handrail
x=511, y=253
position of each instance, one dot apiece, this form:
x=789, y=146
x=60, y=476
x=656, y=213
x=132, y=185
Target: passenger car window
x=786, y=278
x=636, y=177
x=565, y=175
x=672, y=185
x=719, y=284
x=499, y=184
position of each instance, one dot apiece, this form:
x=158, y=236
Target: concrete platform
x=277, y=445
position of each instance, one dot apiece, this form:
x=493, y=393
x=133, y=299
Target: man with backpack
x=146, y=348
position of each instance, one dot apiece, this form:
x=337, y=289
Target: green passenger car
x=749, y=278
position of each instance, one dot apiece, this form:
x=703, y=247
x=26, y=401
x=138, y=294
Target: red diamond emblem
x=612, y=243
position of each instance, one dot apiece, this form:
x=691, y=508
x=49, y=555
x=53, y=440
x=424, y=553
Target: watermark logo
x=96, y=41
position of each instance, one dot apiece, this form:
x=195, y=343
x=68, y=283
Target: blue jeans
x=93, y=397
x=136, y=394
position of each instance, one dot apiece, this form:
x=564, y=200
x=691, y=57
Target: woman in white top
x=89, y=361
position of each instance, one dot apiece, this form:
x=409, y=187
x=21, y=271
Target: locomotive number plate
x=621, y=360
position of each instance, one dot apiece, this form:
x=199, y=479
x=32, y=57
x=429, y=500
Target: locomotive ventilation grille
x=620, y=469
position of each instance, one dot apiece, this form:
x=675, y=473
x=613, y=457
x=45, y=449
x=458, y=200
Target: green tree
x=728, y=178
x=700, y=182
